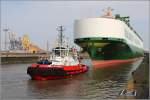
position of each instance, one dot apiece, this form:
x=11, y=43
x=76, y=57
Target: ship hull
x=109, y=48
x=47, y=72
x=112, y=63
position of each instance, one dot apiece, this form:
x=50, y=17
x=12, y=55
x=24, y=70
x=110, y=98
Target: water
x=100, y=83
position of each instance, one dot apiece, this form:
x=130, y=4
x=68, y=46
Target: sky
x=39, y=19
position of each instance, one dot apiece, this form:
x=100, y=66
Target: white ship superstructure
x=95, y=35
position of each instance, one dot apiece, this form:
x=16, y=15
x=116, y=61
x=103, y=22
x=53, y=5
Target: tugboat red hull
x=49, y=77
x=47, y=72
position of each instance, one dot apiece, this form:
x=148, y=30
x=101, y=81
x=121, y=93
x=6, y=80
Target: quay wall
x=13, y=58
x=139, y=81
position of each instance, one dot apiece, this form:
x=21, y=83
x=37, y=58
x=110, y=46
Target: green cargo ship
x=108, y=37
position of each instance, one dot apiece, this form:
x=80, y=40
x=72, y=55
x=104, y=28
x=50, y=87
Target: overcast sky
x=39, y=19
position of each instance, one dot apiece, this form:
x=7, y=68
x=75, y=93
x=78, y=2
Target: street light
x=6, y=30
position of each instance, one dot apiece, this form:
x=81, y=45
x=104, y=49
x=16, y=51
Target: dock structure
x=20, y=50
x=137, y=87
x=16, y=57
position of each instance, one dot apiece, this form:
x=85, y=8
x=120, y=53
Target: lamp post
x=6, y=30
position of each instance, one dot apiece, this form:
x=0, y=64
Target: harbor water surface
x=97, y=83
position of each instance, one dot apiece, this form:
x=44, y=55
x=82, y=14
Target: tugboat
x=64, y=62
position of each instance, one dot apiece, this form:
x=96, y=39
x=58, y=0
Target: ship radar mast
x=61, y=29
x=108, y=13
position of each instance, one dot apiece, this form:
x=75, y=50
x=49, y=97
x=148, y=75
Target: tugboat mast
x=61, y=29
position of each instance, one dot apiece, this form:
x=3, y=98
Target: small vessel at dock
x=63, y=63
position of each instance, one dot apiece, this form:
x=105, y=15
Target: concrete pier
x=139, y=81
x=12, y=58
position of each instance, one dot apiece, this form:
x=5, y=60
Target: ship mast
x=61, y=29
